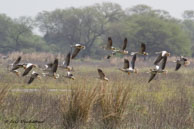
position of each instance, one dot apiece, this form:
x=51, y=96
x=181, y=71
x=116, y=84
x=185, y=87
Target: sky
x=17, y=8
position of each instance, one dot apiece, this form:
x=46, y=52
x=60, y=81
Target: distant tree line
x=92, y=25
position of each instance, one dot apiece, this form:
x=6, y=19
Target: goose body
x=127, y=68
x=182, y=61
x=77, y=49
x=33, y=76
x=158, y=69
x=142, y=50
x=52, y=70
x=102, y=75
x=66, y=63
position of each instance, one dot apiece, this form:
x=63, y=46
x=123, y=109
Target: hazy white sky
x=16, y=8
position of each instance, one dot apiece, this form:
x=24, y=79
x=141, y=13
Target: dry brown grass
x=3, y=94
x=76, y=107
x=113, y=106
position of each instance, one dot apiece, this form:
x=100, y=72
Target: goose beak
x=128, y=73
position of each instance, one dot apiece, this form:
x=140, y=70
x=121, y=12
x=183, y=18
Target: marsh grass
x=113, y=107
x=77, y=107
x=125, y=102
x=3, y=94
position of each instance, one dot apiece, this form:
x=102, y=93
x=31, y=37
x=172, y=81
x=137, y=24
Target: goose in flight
x=110, y=47
x=158, y=69
x=122, y=51
x=66, y=63
x=162, y=55
x=77, y=49
x=182, y=61
x=52, y=70
x=33, y=76
x=109, y=44
x=142, y=50
x=102, y=75
x=16, y=65
x=28, y=67
x=126, y=68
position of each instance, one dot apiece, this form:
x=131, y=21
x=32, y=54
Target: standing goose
x=33, y=76
x=162, y=55
x=77, y=49
x=158, y=69
x=126, y=68
x=52, y=71
x=182, y=61
x=142, y=50
x=28, y=67
x=102, y=75
x=66, y=63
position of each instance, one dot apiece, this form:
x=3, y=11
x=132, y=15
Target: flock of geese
x=50, y=69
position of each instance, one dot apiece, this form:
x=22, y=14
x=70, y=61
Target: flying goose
x=162, y=55
x=77, y=49
x=182, y=61
x=33, y=76
x=126, y=68
x=28, y=67
x=16, y=66
x=110, y=47
x=66, y=63
x=52, y=70
x=102, y=75
x=142, y=50
x=158, y=69
x=122, y=51
x=109, y=44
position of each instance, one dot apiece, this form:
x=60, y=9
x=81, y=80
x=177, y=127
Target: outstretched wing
x=143, y=47
x=126, y=64
x=133, y=61
x=159, y=58
x=178, y=65
x=67, y=59
x=31, y=79
x=55, y=66
x=152, y=76
x=27, y=70
x=101, y=74
x=76, y=51
x=109, y=44
x=163, y=65
x=18, y=60
x=124, y=44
